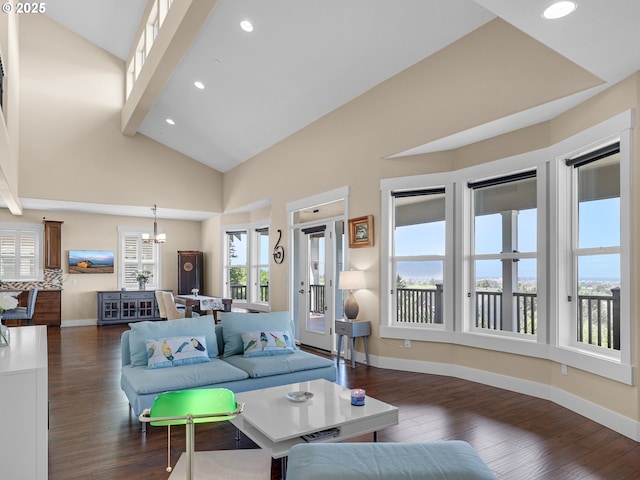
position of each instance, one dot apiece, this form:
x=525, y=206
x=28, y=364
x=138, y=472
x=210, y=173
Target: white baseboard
x=624, y=425
x=79, y=323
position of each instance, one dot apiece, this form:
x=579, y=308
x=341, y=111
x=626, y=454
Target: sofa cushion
x=143, y=331
x=263, y=343
x=145, y=381
x=440, y=460
x=278, y=365
x=175, y=351
x=234, y=324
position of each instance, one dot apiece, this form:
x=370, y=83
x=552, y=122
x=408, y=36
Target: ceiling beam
x=180, y=27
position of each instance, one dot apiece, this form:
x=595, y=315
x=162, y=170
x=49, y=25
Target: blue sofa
x=440, y=460
x=225, y=364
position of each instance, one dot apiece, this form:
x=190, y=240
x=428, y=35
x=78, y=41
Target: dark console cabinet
x=128, y=306
x=190, y=272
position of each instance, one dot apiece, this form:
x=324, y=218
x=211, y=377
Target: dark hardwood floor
x=93, y=436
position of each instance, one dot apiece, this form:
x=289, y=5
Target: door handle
x=301, y=290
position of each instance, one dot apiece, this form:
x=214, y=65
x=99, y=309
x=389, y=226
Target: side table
x=356, y=328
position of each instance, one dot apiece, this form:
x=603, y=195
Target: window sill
x=598, y=365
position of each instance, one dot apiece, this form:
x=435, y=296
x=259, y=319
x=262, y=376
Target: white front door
x=319, y=258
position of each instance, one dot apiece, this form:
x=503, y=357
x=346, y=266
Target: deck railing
x=316, y=299
x=526, y=312
x=239, y=292
x=419, y=305
x=599, y=315
x=599, y=319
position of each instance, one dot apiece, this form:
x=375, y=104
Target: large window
x=137, y=256
x=21, y=252
x=236, y=268
x=418, y=255
x=246, y=271
x=596, y=247
x=533, y=253
x=262, y=266
x=504, y=253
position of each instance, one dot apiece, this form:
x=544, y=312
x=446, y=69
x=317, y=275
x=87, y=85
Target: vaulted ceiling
x=306, y=58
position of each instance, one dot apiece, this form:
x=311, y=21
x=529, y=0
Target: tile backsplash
x=52, y=280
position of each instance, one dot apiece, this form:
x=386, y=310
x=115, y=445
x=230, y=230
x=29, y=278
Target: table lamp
x=351, y=280
x=187, y=407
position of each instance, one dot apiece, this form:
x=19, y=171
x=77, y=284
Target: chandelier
x=157, y=237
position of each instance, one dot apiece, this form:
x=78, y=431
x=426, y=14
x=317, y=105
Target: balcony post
x=616, y=317
x=438, y=312
x=509, y=272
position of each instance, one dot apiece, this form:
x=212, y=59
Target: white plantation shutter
x=20, y=252
x=136, y=255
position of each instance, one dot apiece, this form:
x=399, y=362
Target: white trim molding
x=615, y=421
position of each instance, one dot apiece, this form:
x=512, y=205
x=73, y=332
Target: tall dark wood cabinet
x=190, y=271
x=52, y=244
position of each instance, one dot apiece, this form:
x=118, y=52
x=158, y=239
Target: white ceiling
x=306, y=58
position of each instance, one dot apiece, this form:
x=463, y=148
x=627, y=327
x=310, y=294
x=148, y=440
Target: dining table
x=204, y=303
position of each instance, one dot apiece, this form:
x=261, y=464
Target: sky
x=599, y=226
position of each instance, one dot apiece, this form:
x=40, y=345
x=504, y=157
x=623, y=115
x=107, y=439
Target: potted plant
x=142, y=277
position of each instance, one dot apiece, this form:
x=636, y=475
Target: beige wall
x=100, y=232
x=71, y=149
x=459, y=87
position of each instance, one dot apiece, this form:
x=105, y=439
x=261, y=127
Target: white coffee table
x=276, y=423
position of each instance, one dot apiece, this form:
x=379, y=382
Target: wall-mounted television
x=90, y=261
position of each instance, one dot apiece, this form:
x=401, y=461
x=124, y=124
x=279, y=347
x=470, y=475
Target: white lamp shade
x=351, y=280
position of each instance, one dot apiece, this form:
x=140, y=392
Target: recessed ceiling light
x=559, y=10
x=199, y=85
x=170, y=121
x=246, y=25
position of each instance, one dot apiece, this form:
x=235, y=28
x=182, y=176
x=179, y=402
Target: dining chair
x=23, y=313
x=161, y=308
x=173, y=312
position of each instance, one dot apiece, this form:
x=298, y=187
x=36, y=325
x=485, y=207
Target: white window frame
x=155, y=283
x=390, y=327
x=415, y=258
x=252, y=264
x=18, y=230
x=257, y=266
x=576, y=254
x=226, y=268
x=473, y=256
x=605, y=362
x=554, y=255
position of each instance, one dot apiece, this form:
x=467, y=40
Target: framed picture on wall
x=90, y=261
x=361, y=232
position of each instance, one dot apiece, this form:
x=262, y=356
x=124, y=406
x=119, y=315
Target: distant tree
x=238, y=276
